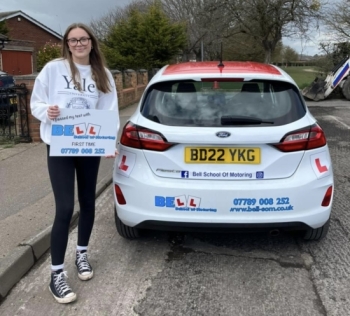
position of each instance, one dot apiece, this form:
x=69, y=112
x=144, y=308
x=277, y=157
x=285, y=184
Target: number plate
x=216, y=155
x=13, y=100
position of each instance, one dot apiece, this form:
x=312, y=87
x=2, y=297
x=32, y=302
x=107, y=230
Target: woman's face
x=79, y=44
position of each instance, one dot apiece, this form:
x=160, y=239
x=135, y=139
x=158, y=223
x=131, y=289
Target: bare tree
x=337, y=20
x=207, y=24
x=243, y=47
x=336, y=40
x=103, y=25
x=211, y=22
x=267, y=21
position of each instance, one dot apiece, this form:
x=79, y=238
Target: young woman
x=61, y=84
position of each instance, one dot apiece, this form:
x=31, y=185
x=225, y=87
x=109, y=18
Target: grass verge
x=303, y=76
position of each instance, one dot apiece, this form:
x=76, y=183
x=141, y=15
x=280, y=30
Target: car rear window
x=212, y=103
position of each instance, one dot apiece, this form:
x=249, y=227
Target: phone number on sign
x=87, y=151
x=262, y=201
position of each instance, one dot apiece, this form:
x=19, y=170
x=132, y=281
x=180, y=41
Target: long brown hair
x=97, y=61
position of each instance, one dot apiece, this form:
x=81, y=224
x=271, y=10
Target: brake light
x=139, y=137
x=305, y=139
x=222, y=79
x=119, y=195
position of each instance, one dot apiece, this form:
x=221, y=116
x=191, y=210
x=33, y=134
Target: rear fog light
x=119, y=195
x=327, y=197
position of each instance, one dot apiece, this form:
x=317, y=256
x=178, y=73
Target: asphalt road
x=209, y=274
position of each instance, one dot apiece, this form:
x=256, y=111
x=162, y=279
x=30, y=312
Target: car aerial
x=227, y=146
x=8, y=98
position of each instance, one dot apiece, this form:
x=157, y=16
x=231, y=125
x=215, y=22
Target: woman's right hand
x=53, y=111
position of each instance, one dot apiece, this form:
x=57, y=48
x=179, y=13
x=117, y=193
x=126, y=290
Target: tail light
x=140, y=137
x=304, y=139
x=327, y=197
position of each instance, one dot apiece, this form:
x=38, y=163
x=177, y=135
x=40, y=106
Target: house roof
x=10, y=14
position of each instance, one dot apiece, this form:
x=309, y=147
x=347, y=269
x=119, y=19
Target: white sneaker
x=60, y=289
x=85, y=271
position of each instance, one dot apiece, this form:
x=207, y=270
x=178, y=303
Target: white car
x=225, y=146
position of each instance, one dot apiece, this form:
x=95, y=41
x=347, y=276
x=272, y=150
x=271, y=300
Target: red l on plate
x=320, y=168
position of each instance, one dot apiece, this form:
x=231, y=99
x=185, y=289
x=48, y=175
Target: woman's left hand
x=113, y=156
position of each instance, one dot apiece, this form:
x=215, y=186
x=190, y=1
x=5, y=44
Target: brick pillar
x=143, y=75
x=130, y=78
x=118, y=79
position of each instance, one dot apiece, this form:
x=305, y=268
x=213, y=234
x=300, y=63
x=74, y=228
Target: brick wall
x=24, y=31
x=125, y=96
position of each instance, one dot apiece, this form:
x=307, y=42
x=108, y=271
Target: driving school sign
x=84, y=133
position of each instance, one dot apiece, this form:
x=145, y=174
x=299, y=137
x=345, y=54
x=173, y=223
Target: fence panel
x=14, y=115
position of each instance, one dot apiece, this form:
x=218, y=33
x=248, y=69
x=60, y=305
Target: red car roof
x=212, y=67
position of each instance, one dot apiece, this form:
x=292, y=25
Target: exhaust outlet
x=274, y=232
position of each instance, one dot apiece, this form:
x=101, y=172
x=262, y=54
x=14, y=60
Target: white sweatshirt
x=54, y=86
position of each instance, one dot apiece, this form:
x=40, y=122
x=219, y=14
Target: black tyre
x=318, y=233
x=346, y=88
x=125, y=231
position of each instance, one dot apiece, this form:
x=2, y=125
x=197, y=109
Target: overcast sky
x=59, y=14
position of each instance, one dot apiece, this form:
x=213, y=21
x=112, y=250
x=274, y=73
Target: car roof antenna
x=220, y=63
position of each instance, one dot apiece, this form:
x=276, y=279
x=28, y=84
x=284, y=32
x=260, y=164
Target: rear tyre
x=346, y=88
x=125, y=231
x=318, y=233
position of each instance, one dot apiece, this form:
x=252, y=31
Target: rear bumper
x=149, y=220
x=152, y=204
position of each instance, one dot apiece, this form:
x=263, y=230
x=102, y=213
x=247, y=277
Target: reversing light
x=296, y=137
x=327, y=197
x=150, y=136
x=119, y=195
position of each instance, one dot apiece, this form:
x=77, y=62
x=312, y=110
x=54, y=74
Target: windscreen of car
x=212, y=103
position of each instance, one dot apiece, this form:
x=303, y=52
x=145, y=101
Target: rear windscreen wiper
x=242, y=120
x=153, y=118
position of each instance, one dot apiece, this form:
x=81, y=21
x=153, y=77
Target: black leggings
x=62, y=175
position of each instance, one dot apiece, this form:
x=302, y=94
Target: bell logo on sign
x=93, y=129
x=76, y=130
x=79, y=129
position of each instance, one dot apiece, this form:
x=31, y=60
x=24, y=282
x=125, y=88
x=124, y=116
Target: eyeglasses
x=74, y=42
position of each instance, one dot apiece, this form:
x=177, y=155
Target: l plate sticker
x=320, y=163
x=126, y=163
